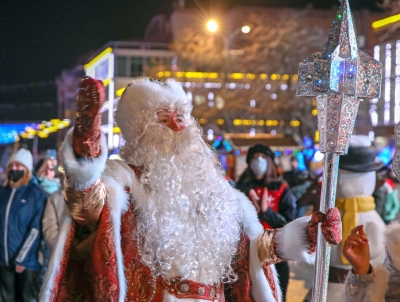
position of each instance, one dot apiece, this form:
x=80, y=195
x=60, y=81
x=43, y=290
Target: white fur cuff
x=392, y=238
x=82, y=174
x=292, y=241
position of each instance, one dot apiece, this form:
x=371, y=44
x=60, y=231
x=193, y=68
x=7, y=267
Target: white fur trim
x=292, y=241
x=116, y=176
x=360, y=141
x=54, y=266
x=375, y=292
x=392, y=236
x=82, y=174
x=260, y=290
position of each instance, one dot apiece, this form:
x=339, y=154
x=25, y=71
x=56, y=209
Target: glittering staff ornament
x=340, y=76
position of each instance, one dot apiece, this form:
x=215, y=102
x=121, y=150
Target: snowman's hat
x=361, y=156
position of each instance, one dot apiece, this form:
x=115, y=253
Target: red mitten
x=312, y=230
x=86, y=135
x=331, y=226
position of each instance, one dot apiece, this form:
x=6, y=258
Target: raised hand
x=356, y=250
x=90, y=100
x=255, y=200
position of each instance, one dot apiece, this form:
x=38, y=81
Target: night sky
x=40, y=38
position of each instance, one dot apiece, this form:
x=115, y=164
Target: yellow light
x=271, y=123
x=212, y=26
x=195, y=75
x=220, y=122
x=119, y=92
x=314, y=112
x=202, y=121
x=24, y=135
x=294, y=123
x=67, y=122
x=274, y=77
x=167, y=74
x=285, y=77
x=160, y=74
x=295, y=77
x=30, y=130
x=212, y=75
x=314, y=102
x=101, y=55
x=246, y=122
x=116, y=130
x=251, y=76
x=106, y=82
x=180, y=74
x=237, y=122
x=261, y=123
x=316, y=136
x=55, y=121
x=52, y=129
x=386, y=21
x=236, y=76
x=42, y=134
x=40, y=126
x=246, y=29
x=263, y=76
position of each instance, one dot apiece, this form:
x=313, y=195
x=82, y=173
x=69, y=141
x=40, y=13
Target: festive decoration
x=340, y=76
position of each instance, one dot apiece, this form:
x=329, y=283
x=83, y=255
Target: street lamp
x=246, y=29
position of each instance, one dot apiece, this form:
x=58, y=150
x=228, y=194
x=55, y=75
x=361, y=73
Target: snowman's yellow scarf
x=349, y=208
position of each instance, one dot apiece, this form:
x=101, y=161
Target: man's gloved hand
x=331, y=227
x=86, y=135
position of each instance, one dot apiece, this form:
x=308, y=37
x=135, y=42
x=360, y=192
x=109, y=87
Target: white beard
x=188, y=222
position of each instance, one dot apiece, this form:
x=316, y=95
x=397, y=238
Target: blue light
x=237, y=152
x=385, y=155
x=278, y=153
x=216, y=144
x=9, y=132
x=300, y=160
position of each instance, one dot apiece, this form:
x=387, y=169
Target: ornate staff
x=340, y=76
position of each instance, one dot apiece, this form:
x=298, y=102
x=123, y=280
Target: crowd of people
x=164, y=224
x=31, y=209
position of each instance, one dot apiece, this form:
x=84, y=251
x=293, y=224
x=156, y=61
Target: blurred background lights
x=245, y=29
x=253, y=103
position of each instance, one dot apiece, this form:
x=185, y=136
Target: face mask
x=259, y=166
x=49, y=185
x=15, y=175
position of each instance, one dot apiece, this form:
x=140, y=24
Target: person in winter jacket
x=274, y=202
x=22, y=204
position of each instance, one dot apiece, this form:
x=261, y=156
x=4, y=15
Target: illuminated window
x=121, y=66
x=397, y=85
x=377, y=50
x=136, y=67
x=388, y=73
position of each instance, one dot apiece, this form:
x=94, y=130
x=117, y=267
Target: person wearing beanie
x=272, y=198
x=22, y=204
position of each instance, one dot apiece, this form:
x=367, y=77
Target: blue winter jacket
x=21, y=212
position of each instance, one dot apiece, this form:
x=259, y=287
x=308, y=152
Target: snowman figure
x=355, y=185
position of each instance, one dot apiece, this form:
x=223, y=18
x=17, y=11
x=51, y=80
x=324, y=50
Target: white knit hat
x=24, y=157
